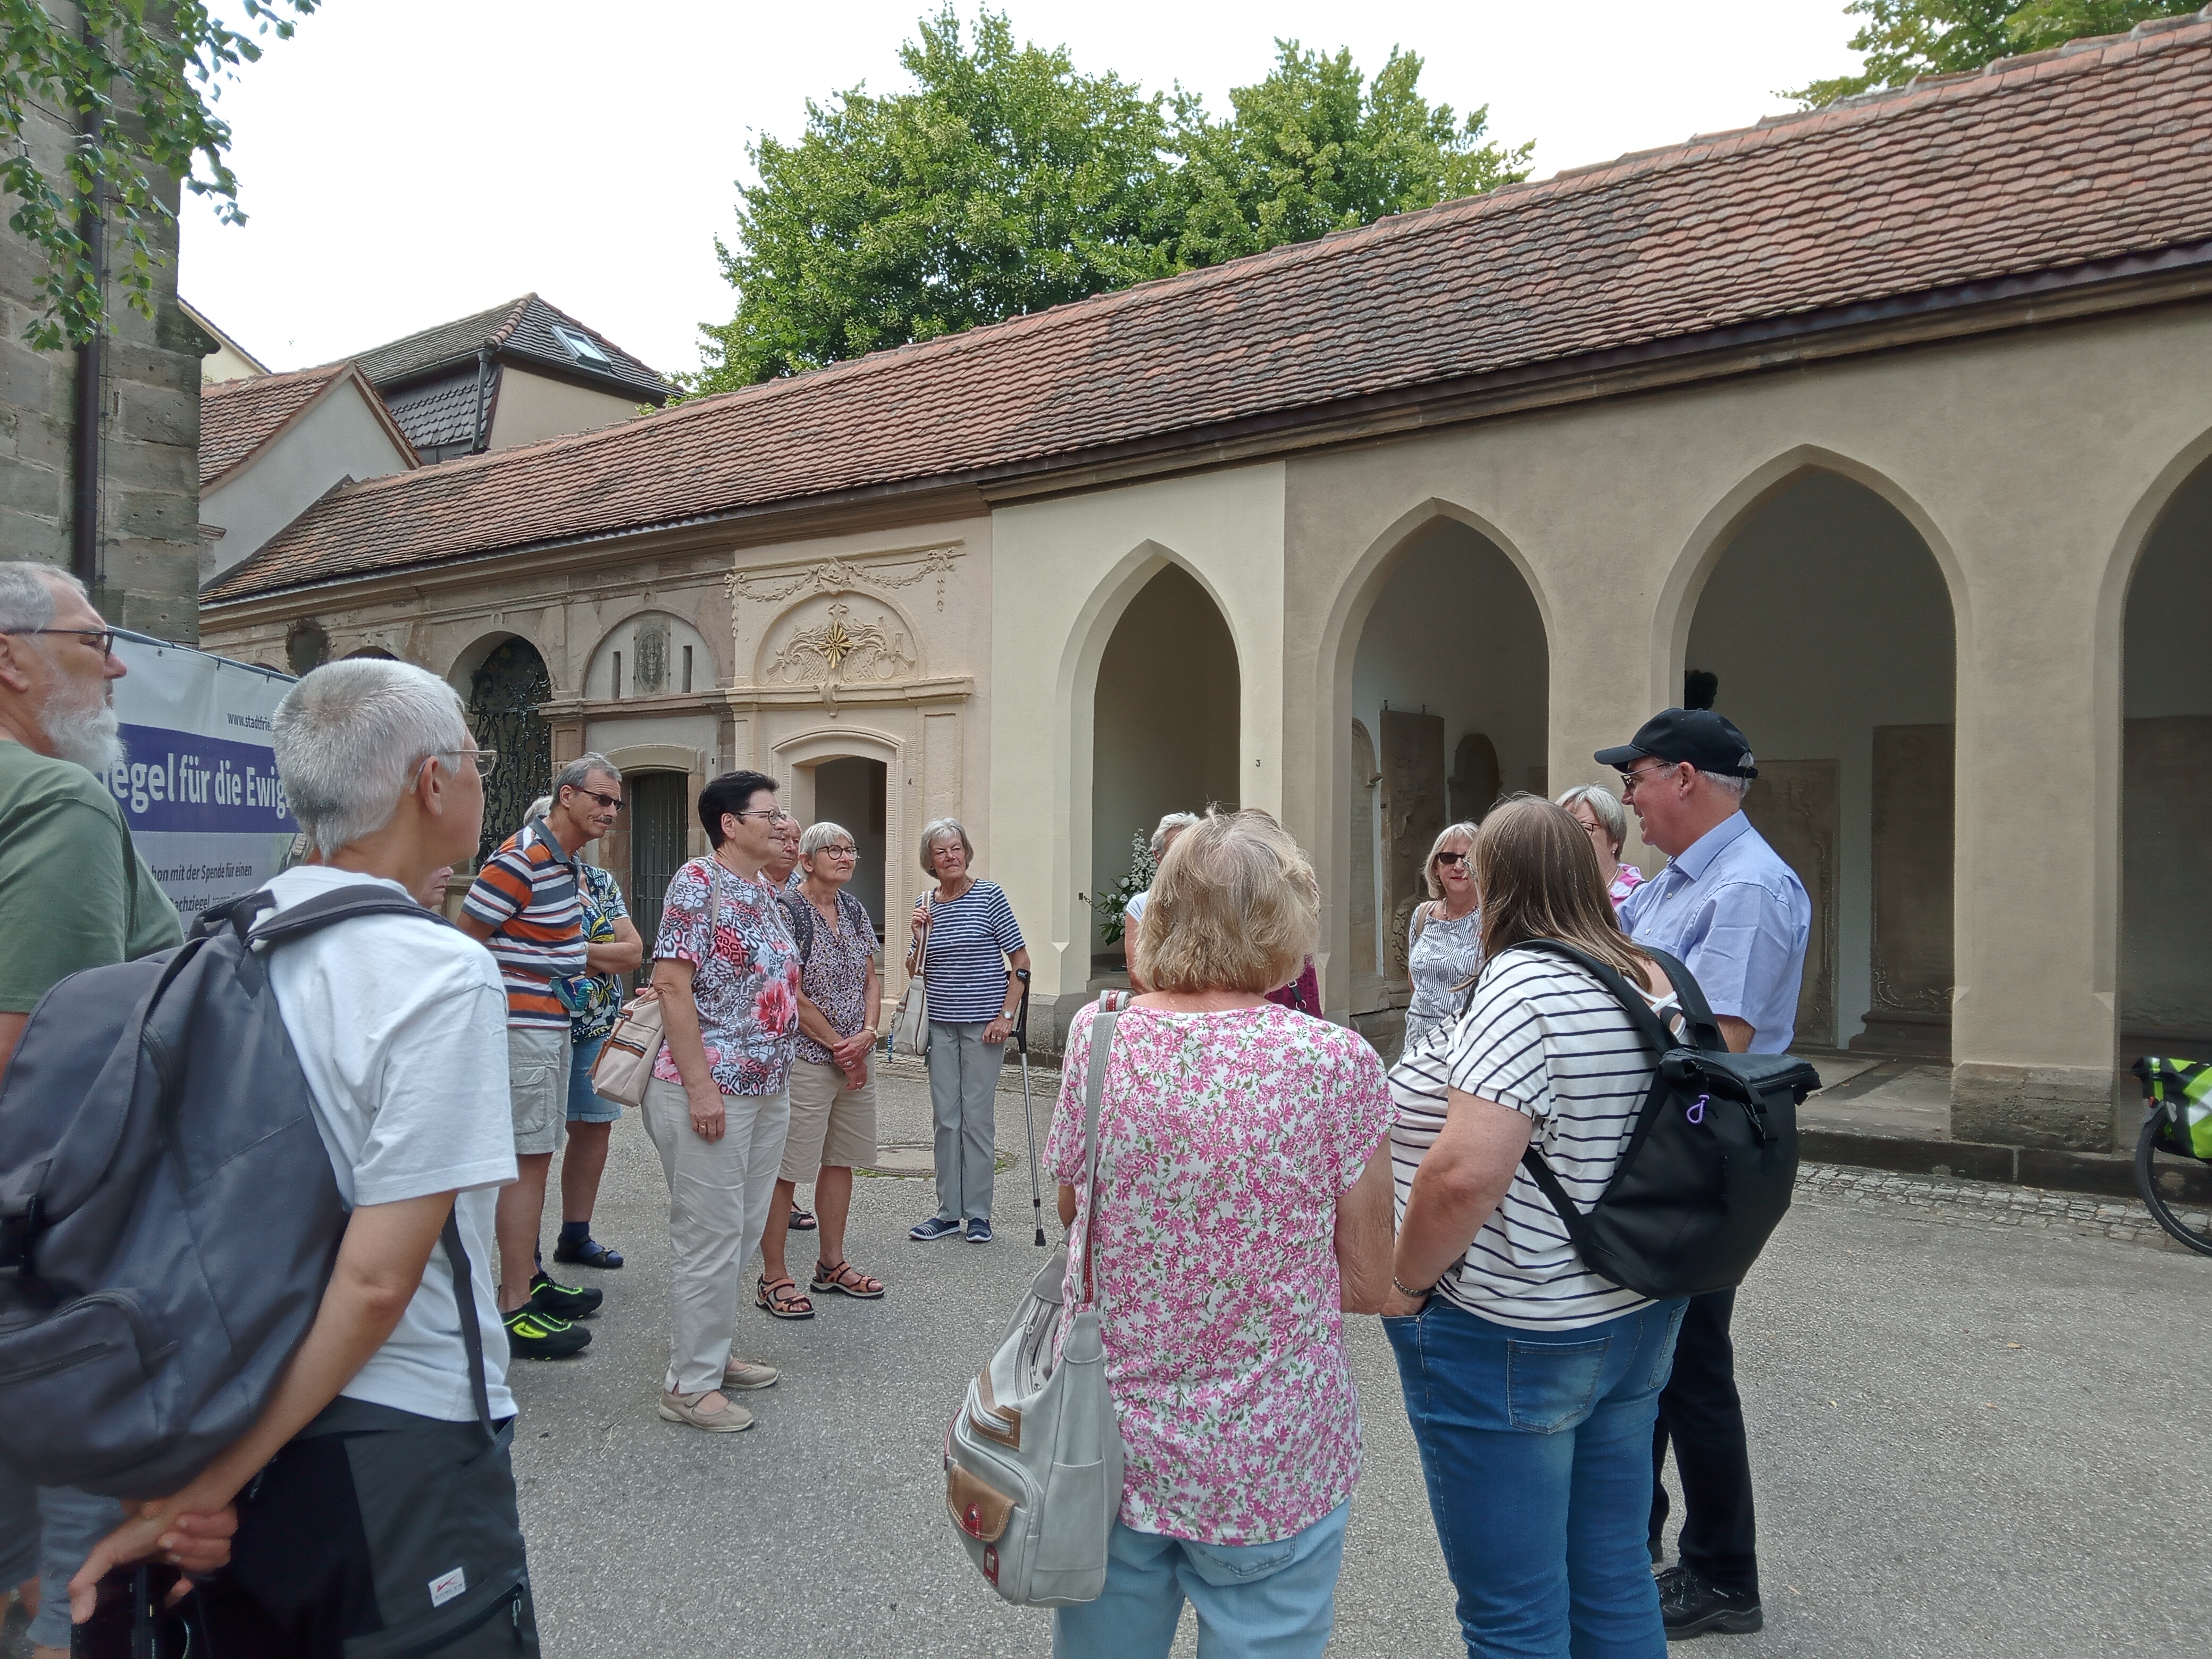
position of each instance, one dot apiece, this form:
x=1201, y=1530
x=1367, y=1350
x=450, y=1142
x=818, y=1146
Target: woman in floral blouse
x=719, y=1101
x=1243, y=1207
x=1605, y=821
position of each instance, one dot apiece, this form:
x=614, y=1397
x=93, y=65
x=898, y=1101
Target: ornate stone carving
x=886, y=574
x=840, y=650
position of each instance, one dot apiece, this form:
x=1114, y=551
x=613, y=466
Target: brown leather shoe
x=685, y=1408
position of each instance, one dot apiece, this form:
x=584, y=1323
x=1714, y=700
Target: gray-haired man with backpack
x=381, y=1512
x=73, y=893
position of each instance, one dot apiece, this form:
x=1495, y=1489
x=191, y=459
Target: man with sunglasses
x=523, y=904
x=1730, y=910
x=74, y=894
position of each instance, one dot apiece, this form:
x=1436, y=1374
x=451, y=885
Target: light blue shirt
x=1732, y=912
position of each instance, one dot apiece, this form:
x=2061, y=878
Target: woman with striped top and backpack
x=1525, y=1373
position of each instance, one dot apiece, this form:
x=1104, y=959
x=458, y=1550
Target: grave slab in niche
x=1912, y=960
x=1794, y=805
x=1414, y=806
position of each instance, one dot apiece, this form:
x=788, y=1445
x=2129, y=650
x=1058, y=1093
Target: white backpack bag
x=1033, y=1458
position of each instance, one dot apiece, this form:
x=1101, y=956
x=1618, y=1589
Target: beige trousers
x=718, y=1202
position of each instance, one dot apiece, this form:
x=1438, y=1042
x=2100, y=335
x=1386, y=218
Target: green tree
x=1004, y=182
x=1904, y=38
x=135, y=78
x=1316, y=148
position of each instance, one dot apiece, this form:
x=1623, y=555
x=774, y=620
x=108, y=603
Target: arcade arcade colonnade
x=1617, y=515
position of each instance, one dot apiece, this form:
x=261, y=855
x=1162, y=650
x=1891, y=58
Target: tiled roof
x=2087, y=154
x=237, y=417
x=440, y=411
x=521, y=328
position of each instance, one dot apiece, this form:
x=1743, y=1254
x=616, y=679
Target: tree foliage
x=1006, y=182
x=1904, y=39
x=1314, y=147
x=135, y=79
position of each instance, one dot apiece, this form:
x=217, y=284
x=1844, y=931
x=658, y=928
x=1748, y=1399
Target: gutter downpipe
x=91, y=369
x=477, y=446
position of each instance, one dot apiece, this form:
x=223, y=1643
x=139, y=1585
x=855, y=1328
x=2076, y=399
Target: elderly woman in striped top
x=965, y=939
x=1524, y=1372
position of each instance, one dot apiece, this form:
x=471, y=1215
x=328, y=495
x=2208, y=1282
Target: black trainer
x=564, y=1301
x=1689, y=1605
x=533, y=1335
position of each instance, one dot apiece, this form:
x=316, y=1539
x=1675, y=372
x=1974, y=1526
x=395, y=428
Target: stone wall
x=147, y=576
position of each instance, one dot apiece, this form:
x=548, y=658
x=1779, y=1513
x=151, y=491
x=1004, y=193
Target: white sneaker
x=685, y=1408
x=746, y=1375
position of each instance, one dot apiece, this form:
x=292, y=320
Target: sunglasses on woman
x=1451, y=858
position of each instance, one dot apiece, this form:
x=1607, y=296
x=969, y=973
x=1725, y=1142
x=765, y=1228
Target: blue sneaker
x=979, y=1231
x=936, y=1227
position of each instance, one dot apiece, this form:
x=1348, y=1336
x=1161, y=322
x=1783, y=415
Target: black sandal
x=801, y=1220
x=795, y=1305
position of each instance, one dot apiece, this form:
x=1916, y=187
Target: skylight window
x=583, y=348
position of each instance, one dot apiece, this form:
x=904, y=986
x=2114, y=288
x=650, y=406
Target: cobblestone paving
x=1958, y=1203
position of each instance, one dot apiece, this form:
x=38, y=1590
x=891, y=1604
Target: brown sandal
x=845, y=1281
x=783, y=1299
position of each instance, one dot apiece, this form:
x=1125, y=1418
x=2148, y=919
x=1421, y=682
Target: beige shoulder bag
x=628, y=1056
x=910, y=1025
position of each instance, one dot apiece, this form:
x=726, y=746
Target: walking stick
x=1029, y=1117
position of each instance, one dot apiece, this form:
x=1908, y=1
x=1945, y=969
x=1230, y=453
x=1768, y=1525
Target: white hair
x=348, y=737
x=1170, y=827
x=538, y=808
x=819, y=836
x=936, y=830
x=1727, y=786
x=1604, y=806
x=26, y=593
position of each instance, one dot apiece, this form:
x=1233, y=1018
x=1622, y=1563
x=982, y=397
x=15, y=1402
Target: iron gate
x=504, y=698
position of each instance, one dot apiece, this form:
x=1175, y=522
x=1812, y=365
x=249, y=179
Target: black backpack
x=168, y=1217
x=1710, y=1166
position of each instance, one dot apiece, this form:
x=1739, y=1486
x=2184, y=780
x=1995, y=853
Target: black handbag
x=1710, y=1164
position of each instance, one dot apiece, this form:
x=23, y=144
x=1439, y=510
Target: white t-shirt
x=1542, y=1036
x=400, y=1026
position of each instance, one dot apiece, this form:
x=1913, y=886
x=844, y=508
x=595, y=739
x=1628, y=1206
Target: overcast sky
x=407, y=161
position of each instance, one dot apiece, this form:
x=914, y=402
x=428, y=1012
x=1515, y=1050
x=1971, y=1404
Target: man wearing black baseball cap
x=1737, y=916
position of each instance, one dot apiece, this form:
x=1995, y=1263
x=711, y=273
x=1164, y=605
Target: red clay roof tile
x=237, y=417
x=2029, y=167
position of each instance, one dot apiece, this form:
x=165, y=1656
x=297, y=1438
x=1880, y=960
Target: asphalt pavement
x=1968, y=1439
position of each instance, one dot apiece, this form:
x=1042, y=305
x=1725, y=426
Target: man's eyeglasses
x=484, y=758
x=609, y=803
x=1629, y=780
x=1451, y=858
x=101, y=639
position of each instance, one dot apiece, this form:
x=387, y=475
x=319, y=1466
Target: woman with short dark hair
x=719, y=1101
x=965, y=939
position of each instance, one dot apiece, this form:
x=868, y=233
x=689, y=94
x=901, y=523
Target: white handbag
x=910, y=1025
x=1033, y=1458
x=633, y=1047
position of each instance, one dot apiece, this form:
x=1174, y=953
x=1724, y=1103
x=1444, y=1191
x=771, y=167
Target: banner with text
x=200, y=790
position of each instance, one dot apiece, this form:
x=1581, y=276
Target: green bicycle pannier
x=2180, y=1092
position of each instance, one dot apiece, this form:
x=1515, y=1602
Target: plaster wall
x=1618, y=510
x=1063, y=573
x=535, y=406
x=339, y=437
x=1825, y=618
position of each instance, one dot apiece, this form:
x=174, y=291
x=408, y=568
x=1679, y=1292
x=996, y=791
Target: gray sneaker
x=746, y=1375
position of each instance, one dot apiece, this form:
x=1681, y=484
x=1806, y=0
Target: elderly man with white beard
x=74, y=894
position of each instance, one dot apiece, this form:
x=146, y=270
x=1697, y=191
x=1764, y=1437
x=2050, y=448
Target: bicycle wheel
x=2197, y=1238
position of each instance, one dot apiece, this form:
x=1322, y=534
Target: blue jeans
x=586, y=1103
x=1537, y=1449
x=1273, y=1601
x=48, y=1531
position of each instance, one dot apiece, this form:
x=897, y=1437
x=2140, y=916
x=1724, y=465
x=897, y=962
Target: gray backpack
x=168, y=1217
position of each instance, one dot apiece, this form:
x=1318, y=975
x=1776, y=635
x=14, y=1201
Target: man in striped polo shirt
x=524, y=905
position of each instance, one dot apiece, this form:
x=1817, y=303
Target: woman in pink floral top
x=1605, y=821
x=1244, y=1206
x=719, y=1104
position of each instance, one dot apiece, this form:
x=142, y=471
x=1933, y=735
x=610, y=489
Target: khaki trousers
x=718, y=1202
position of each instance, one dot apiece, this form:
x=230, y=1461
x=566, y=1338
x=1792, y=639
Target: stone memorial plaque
x=1412, y=818
x=1794, y=804
x=1913, y=831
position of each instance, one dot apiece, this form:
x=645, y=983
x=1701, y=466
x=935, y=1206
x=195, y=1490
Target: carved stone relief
x=889, y=573
x=1366, y=981
x=830, y=643
x=652, y=670
x=1795, y=805
x=1412, y=818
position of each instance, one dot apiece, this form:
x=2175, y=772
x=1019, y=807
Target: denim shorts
x=584, y=1105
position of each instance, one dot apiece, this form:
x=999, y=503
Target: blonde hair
x=1450, y=833
x=1234, y=907
x=1539, y=876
